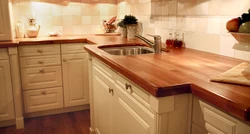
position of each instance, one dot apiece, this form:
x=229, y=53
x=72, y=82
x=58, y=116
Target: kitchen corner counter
x=176, y=72
x=182, y=71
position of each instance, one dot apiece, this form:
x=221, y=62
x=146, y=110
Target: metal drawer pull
x=39, y=50
x=127, y=86
x=43, y=92
x=111, y=90
x=41, y=70
x=40, y=62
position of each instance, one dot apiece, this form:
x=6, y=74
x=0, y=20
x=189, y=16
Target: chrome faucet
x=157, y=42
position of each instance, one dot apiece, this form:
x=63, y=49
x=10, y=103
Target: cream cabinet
x=103, y=102
x=118, y=106
x=5, y=21
x=41, y=76
x=75, y=74
x=54, y=76
x=218, y=122
x=6, y=95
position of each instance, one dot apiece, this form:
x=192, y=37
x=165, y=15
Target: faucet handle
x=155, y=36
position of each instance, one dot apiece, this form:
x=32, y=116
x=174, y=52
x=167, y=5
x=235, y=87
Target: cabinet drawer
x=4, y=54
x=73, y=48
x=40, y=61
x=42, y=77
x=39, y=50
x=217, y=120
x=42, y=99
x=140, y=95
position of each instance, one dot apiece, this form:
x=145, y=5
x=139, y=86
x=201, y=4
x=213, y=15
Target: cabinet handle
x=40, y=62
x=39, y=50
x=65, y=60
x=127, y=86
x=41, y=70
x=111, y=90
x=43, y=92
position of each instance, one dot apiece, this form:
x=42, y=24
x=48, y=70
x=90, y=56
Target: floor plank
x=67, y=123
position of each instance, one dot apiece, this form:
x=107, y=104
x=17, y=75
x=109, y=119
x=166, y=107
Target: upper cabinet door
x=5, y=23
x=6, y=97
x=75, y=79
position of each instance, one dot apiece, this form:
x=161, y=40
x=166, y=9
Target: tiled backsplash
x=69, y=17
x=202, y=21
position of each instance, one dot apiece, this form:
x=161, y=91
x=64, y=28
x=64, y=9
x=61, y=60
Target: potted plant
x=123, y=28
x=131, y=23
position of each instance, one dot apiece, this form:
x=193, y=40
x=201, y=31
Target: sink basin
x=128, y=50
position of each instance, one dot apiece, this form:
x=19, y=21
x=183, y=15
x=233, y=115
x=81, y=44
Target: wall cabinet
x=5, y=23
x=6, y=95
x=120, y=107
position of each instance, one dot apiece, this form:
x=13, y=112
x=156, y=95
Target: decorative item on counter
x=33, y=28
x=109, y=26
x=54, y=34
x=19, y=29
x=170, y=40
x=131, y=23
x=240, y=30
x=123, y=28
x=240, y=24
x=178, y=42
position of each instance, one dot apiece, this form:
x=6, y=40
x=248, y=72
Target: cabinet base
x=57, y=111
x=7, y=123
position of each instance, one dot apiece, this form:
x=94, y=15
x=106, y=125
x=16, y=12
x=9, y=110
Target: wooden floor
x=68, y=123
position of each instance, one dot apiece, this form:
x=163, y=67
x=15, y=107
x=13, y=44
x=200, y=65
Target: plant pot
x=124, y=32
x=131, y=31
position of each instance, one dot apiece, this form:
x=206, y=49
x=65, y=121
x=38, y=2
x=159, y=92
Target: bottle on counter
x=170, y=40
x=178, y=42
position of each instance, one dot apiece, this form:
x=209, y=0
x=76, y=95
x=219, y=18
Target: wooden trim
x=7, y=123
x=56, y=111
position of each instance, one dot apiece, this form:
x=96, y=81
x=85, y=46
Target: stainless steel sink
x=128, y=50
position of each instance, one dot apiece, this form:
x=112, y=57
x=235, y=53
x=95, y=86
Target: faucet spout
x=145, y=40
x=157, y=42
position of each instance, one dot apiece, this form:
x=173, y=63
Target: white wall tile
x=214, y=24
x=201, y=24
x=202, y=7
x=226, y=46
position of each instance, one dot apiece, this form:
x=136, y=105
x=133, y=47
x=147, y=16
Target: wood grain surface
x=176, y=72
x=67, y=123
x=183, y=71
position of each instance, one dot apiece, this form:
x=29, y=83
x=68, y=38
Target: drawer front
x=42, y=77
x=73, y=48
x=39, y=50
x=40, y=61
x=4, y=54
x=217, y=120
x=42, y=99
x=137, y=93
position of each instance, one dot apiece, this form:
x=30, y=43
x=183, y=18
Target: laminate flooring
x=67, y=123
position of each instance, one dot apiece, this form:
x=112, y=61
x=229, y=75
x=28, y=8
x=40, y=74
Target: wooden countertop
x=183, y=71
x=176, y=72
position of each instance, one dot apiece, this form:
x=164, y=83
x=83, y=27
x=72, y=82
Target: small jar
x=170, y=40
x=178, y=42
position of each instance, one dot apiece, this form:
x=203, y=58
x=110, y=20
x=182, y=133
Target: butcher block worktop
x=170, y=73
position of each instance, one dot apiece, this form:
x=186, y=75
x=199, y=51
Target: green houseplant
x=131, y=24
x=123, y=28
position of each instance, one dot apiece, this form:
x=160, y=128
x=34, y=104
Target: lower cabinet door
x=132, y=117
x=103, y=106
x=75, y=79
x=6, y=96
x=42, y=99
